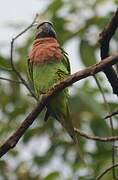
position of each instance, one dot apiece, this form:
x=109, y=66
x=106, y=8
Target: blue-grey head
x=45, y=29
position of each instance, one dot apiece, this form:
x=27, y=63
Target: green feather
x=43, y=77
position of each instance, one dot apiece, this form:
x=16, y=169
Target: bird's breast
x=45, y=49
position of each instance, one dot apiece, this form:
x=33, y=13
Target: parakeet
x=49, y=64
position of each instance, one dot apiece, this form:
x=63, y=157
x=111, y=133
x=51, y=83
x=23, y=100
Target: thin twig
x=111, y=123
x=10, y=80
x=96, y=138
x=106, y=171
x=112, y=114
x=27, y=28
x=90, y=71
x=5, y=69
x=11, y=57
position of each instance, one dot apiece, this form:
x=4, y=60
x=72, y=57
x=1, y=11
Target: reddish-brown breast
x=45, y=49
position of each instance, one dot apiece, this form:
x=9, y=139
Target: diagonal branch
x=112, y=114
x=106, y=170
x=104, y=41
x=90, y=71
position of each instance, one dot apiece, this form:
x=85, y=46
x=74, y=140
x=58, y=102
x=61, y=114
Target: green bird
x=49, y=64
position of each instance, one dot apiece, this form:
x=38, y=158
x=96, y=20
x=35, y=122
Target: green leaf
x=88, y=103
x=98, y=21
x=53, y=7
x=87, y=53
x=4, y=63
x=116, y=1
x=52, y=176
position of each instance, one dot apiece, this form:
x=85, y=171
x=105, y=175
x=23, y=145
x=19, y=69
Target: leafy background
x=46, y=152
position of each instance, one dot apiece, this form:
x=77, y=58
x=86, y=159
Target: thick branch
x=92, y=70
x=104, y=40
x=12, y=141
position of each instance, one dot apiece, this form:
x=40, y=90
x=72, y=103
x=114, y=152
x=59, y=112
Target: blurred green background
x=46, y=152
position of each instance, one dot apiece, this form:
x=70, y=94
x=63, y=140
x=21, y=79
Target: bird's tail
x=67, y=123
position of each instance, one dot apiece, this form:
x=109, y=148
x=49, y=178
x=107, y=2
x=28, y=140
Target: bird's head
x=45, y=29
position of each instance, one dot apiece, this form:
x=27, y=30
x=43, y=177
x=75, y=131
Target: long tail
x=67, y=123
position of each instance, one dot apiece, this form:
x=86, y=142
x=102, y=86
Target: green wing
x=30, y=73
x=66, y=62
x=38, y=78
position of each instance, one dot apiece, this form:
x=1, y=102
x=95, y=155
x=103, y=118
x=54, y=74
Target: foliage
x=46, y=152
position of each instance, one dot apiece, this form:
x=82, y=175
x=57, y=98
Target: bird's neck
x=45, y=49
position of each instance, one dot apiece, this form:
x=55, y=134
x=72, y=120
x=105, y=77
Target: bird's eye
x=39, y=29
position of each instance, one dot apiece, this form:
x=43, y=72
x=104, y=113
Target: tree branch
x=90, y=71
x=105, y=171
x=110, y=73
x=5, y=69
x=96, y=138
x=112, y=114
x=11, y=57
x=111, y=123
x=104, y=41
x=10, y=80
